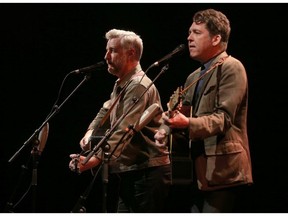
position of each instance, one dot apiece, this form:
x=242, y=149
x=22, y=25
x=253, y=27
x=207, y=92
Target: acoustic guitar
x=179, y=143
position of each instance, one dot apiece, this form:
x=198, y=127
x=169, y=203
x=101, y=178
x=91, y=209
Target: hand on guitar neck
x=174, y=117
x=175, y=103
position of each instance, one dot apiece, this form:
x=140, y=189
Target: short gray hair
x=128, y=40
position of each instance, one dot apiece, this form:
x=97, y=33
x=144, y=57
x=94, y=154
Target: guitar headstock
x=175, y=101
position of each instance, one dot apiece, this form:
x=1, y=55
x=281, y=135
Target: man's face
x=116, y=57
x=199, y=42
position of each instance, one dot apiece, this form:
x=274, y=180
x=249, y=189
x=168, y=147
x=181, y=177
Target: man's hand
x=161, y=137
x=85, y=141
x=76, y=165
x=177, y=120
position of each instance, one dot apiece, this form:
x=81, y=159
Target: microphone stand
x=105, y=176
x=56, y=110
x=108, y=134
x=35, y=152
x=105, y=171
x=79, y=208
x=35, y=156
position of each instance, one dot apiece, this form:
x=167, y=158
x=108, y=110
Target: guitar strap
x=96, y=132
x=220, y=62
x=120, y=94
x=104, y=119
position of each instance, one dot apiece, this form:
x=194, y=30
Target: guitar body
x=180, y=151
x=180, y=148
x=180, y=138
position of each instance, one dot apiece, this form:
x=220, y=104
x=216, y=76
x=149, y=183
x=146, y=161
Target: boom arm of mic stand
x=47, y=119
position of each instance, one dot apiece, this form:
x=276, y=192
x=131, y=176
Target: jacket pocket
x=226, y=165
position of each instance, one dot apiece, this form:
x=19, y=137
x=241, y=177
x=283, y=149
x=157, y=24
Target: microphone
x=177, y=50
x=98, y=66
x=147, y=116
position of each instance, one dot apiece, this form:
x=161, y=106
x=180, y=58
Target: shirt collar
x=128, y=76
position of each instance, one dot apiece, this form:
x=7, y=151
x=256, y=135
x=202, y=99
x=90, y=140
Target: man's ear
x=131, y=52
x=216, y=40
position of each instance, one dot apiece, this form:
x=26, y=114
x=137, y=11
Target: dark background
x=40, y=43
